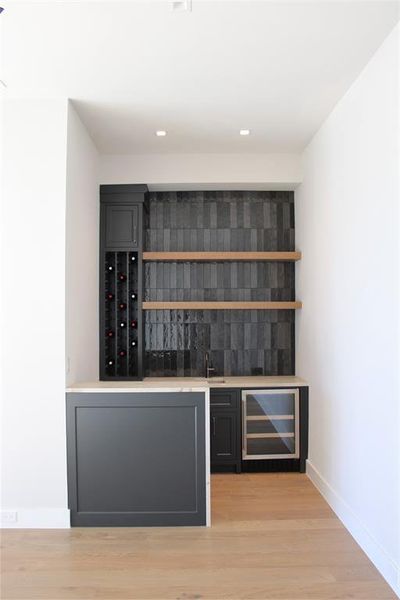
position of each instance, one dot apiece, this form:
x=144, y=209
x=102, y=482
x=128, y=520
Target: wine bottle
x=122, y=353
x=122, y=306
x=110, y=333
x=134, y=324
x=133, y=343
x=122, y=324
x=122, y=277
x=133, y=258
x=110, y=296
x=133, y=296
x=110, y=362
x=110, y=268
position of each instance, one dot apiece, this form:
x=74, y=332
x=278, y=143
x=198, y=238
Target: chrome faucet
x=208, y=368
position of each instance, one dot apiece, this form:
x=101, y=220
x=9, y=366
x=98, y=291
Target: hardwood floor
x=273, y=537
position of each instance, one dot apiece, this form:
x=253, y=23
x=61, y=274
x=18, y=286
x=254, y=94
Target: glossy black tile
x=238, y=341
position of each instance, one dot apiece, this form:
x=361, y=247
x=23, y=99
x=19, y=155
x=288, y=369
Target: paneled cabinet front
x=225, y=430
x=223, y=436
x=136, y=459
x=122, y=226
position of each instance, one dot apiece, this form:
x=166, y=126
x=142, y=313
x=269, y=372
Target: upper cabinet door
x=122, y=226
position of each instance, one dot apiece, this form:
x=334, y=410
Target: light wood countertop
x=187, y=384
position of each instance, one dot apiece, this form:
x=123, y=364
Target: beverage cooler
x=270, y=424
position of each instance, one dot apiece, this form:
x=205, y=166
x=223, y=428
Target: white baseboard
x=372, y=548
x=35, y=518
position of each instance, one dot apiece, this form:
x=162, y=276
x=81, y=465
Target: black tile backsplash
x=242, y=281
x=220, y=221
x=240, y=342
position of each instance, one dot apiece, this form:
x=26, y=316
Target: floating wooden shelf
x=216, y=256
x=195, y=305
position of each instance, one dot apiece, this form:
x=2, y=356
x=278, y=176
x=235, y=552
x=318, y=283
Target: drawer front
x=224, y=399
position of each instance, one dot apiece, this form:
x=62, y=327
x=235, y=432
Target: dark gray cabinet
x=225, y=430
x=122, y=215
x=240, y=435
x=136, y=459
x=122, y=226
x=121, y=218
x=223, y=437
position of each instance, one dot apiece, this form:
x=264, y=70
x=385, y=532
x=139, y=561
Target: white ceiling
x=276, y=68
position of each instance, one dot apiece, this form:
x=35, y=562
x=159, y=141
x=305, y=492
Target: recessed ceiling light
x=244, y=132
x=161, y=133
x=181, y=5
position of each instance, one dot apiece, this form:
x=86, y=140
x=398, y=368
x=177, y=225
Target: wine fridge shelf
x=120, y=332
x=269, y=435
x=271, y=418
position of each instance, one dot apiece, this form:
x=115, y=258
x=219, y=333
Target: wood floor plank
x=273, y=537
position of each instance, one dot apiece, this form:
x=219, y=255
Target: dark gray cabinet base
x=136, y=459
x=225, y=445
x=226, y=436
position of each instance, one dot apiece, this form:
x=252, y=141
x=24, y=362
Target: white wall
x=82, y=254
x=204, y=171
x=347, y=226
x=50, y=303
x=32, y=327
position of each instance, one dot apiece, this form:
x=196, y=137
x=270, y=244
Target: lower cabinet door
x=224, y=435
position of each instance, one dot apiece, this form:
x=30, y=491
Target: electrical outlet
x=9, y=516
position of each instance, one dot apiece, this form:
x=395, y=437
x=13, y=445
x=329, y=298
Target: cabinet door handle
x=213, y=421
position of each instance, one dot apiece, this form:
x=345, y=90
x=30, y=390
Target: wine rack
x=121, y=282
x=121, y=314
